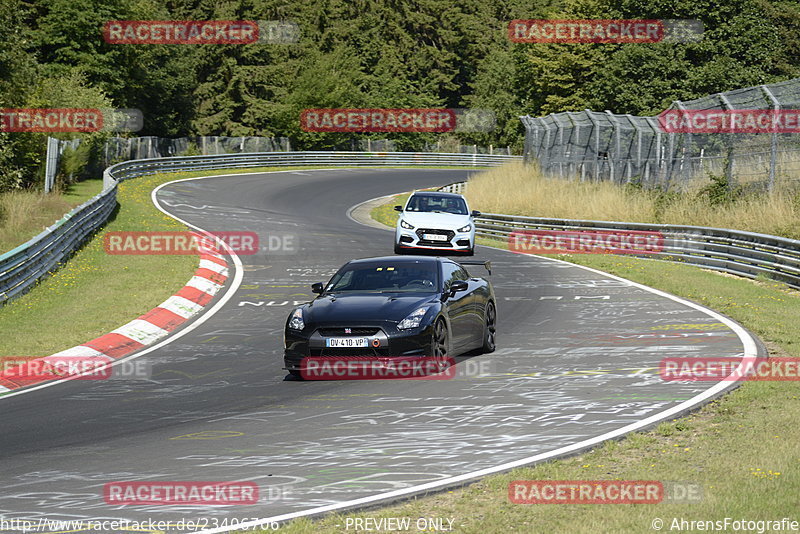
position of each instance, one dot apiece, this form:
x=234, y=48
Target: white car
x=437, y=221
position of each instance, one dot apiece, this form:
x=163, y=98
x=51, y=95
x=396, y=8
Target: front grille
x=340, y=331
x=448, y=233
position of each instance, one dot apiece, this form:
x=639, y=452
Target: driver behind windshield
x=384, y=278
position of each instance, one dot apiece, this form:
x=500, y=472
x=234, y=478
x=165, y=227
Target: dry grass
x=24, y=214
x=521, y=190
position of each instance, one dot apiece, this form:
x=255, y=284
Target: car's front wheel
x=440, y=345
x=398, y=249
x=489, y=328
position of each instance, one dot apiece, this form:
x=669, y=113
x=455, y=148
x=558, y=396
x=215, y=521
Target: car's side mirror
x=475, y=213
x=398, y=208
x=458, y=285
x=317, y=288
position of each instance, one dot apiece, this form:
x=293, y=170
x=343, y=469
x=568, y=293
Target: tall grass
x=23, y=214
x=518, y=189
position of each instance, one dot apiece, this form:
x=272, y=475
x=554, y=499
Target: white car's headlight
x=404, y=224
x=466, y=228
x=296, y=320
x=413, y=320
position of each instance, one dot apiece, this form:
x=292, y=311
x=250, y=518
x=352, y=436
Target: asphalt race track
x=577, y=358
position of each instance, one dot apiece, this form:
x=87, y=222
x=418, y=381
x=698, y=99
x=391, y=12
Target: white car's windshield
x=436, y=203
x=385, y=277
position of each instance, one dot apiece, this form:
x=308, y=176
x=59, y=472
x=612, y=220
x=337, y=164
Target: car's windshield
x=430, y=203
x=386, y=277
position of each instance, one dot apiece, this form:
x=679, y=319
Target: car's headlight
x=467, y=228
x=404, y=224
x=413, y=320
x=296, y=320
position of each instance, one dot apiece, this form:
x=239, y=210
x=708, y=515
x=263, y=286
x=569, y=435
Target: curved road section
x=576, y=363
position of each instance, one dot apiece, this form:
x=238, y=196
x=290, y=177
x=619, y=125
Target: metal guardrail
x=23, y=266
x=141, y=167
x=732, y=251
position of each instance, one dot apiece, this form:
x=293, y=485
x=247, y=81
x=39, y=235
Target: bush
x=74, y=162
x=720, y=191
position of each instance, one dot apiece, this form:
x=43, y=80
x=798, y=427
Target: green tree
x=156, y=79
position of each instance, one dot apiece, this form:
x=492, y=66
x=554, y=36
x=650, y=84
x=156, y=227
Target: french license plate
x=345, y=342
x=435, y=237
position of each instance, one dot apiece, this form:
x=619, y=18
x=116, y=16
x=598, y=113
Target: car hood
x=448, y=221
x=364, y=308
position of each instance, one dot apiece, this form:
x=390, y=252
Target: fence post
x=51, y=163
x=531, y=138
x=729, y=143
x=576, y=135
x=659, y=151
x=560, y=153
x=596, y=130
x=773, y=151
x=545, y=153
x=687, y=146
x=617, y=143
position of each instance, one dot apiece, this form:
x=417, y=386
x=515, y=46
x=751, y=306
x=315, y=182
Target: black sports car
x=393, y=307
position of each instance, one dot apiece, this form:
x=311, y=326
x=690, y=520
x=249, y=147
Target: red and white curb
x=208, y=280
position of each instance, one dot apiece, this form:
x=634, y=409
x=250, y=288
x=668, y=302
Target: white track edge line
x=205, y=315
x=750, y=352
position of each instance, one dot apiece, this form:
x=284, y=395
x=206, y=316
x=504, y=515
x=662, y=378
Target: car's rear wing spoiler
x=486, y=264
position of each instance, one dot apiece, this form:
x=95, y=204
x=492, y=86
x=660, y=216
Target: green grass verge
x=80, y=192
x=94, y=292
x=741, y=449
x=385, y=213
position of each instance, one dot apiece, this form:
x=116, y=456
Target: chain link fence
x=591, y=145
x=447, y=146
x=119, y=149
